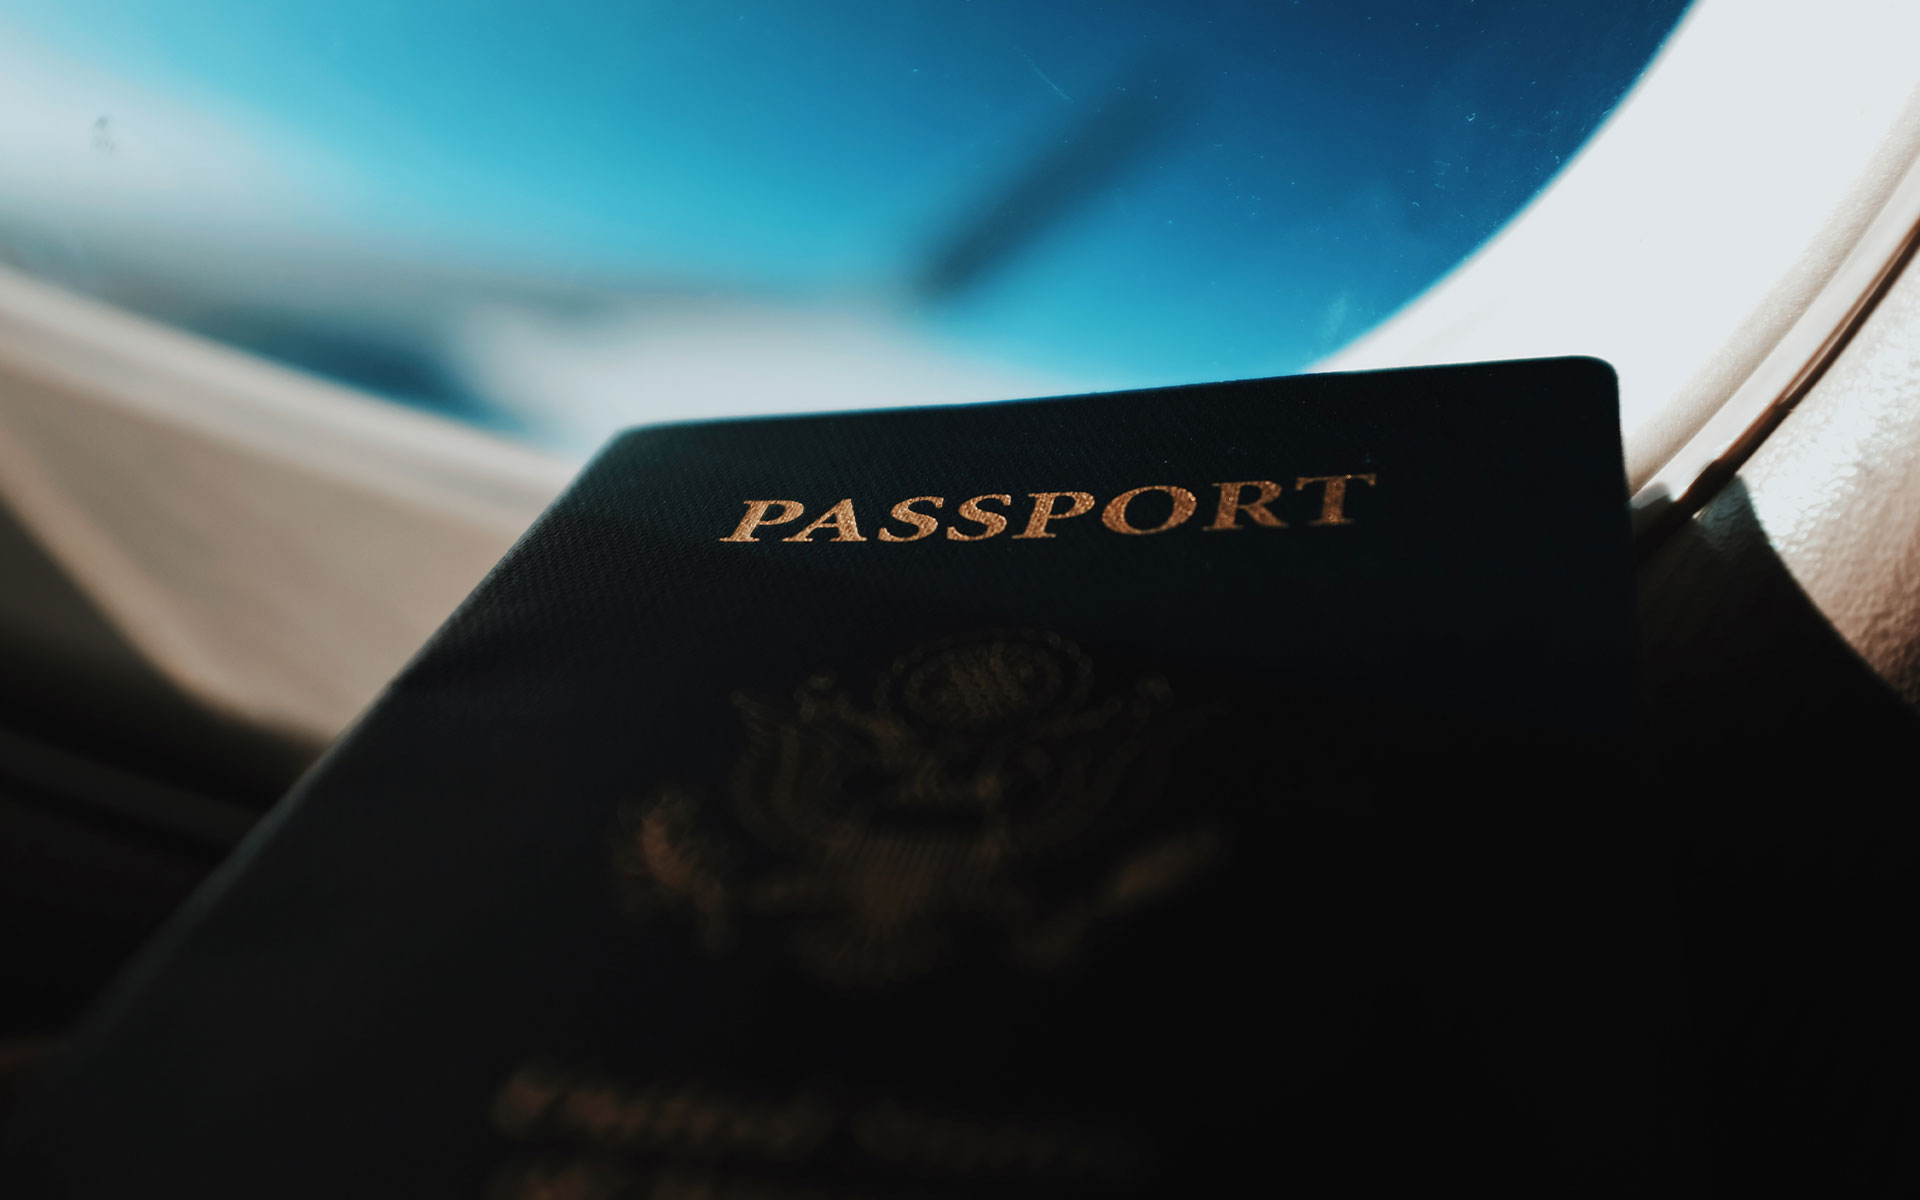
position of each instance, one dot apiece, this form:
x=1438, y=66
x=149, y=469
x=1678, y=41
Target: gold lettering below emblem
x=984, y=793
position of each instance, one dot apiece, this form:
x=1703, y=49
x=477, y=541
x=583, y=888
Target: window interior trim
x=1711, y=457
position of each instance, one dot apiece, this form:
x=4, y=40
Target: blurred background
x=557, y=220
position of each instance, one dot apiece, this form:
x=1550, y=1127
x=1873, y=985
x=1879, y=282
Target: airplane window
x=555, y=220
x=232, y=232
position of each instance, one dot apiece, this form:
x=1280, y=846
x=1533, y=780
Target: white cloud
x=81, y=147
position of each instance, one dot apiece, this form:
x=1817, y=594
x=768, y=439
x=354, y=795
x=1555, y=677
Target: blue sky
x=1321, y=162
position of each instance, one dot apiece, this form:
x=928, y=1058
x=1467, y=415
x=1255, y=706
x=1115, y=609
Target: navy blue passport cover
x=1110, y=795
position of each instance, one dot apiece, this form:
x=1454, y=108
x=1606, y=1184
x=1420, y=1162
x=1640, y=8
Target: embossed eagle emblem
x=878, y=837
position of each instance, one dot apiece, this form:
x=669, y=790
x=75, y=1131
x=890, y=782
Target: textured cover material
x=1115, y=795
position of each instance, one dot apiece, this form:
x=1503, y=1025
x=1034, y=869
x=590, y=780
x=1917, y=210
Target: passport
x=1118, y=795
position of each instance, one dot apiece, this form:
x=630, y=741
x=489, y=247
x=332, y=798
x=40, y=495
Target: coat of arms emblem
x=875, y=840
